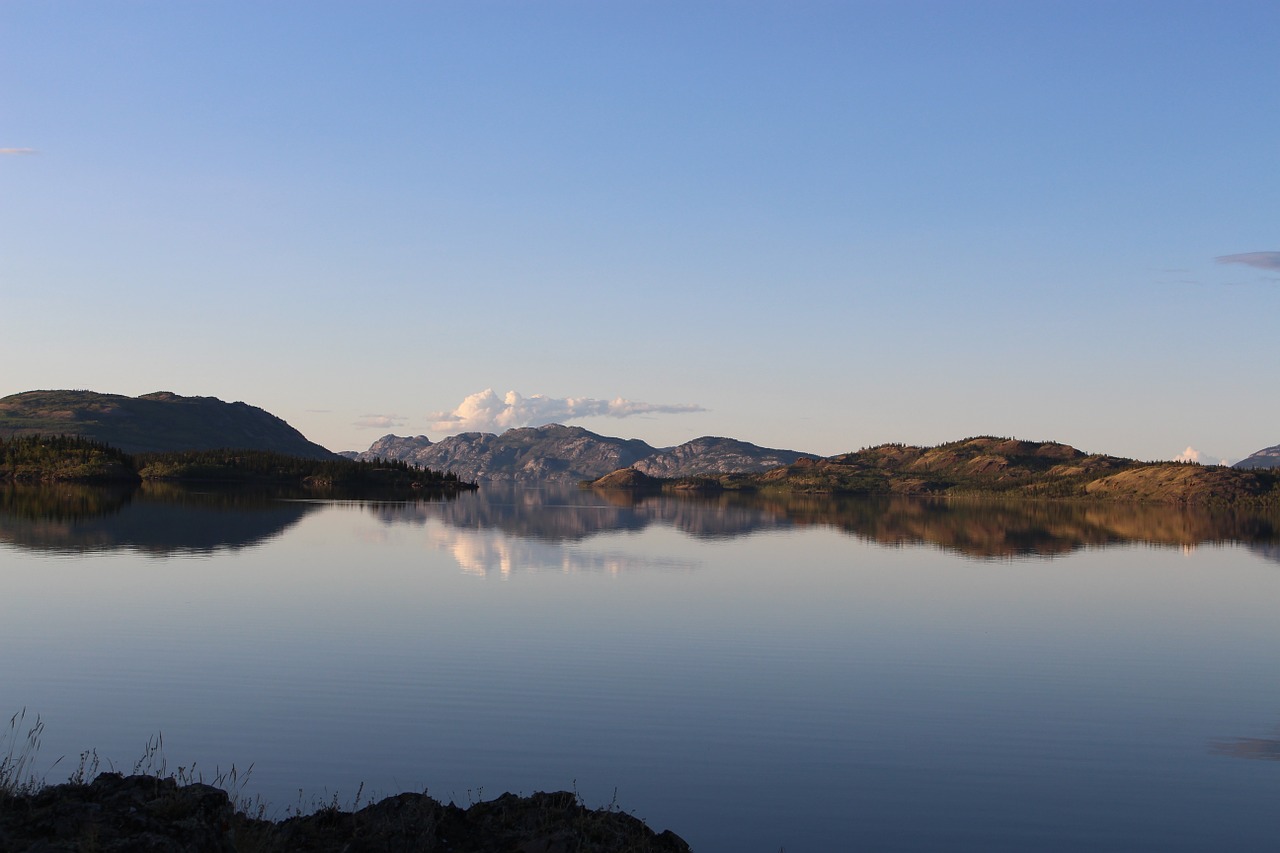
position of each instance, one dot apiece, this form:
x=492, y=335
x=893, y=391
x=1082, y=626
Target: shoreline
x=116, y=812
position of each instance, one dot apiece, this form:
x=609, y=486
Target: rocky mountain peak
x=568, y=454
x=1268, y=457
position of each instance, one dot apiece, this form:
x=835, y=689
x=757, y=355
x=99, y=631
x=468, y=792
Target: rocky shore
x=157, y=815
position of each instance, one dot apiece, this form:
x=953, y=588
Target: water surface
x=754, y=674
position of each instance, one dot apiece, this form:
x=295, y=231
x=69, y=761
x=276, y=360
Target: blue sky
x=818, y=226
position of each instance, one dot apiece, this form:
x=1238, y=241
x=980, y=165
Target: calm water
x=807, y=675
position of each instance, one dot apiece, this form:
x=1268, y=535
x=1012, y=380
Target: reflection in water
x=159, y=520
x=498, y=554
x=506, y=530
x=61, y=501
x=842, y=688
x=977, y=528
x=1265, y=749
x=973, y=528
x=498, y=528
x=572, y=515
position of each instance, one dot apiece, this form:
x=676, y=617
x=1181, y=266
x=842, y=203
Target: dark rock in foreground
x=117, y=813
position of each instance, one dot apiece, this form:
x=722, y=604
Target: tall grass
x=19, y=751
x=20, y=744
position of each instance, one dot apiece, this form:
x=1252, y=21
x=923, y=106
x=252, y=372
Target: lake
x=756, y=675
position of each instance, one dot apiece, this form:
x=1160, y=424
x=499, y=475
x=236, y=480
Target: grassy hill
x=992, y=466
x=158, y=422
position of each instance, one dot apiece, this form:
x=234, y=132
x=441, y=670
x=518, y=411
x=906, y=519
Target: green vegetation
x=989, y=466
x=63, y=457
x=264, y=466
x=71, y=459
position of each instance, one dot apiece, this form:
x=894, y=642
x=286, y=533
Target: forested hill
x=66, y=458
x=158, y=422
x=992, y=466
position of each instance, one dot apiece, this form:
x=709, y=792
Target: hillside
x=1003, y=467
x=158, y=422
x=71, y=459
x=1268, y=457
x=565, y=454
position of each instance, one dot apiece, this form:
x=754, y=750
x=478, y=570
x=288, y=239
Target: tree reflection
x=974, y=528
x=164, y=518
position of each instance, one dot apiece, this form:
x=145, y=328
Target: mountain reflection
x=973, y=528
x=499, y=527
x=157, y=519
x=988, y=529
x=572, y=515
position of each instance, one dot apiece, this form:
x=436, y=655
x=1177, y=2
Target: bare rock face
x=713, y=455
x=564, y=454
x=394, y=447
x=1268, y=457
x=146, y=813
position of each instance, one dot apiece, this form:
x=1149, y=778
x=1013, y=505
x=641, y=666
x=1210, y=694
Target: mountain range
x=164, y=421
x=567, y=454
x=989, y=466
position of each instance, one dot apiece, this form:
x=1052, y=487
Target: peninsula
x=62, y=458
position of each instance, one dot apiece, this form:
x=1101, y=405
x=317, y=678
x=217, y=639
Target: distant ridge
x=1268, y=457
x=994, y=466
x=567, y=454
x=161, y=421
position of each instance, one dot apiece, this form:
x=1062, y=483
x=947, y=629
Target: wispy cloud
x=1261, y=260
x=485, y=411
x=379, y=421
x=17, y=151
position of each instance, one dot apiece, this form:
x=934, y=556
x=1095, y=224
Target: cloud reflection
x=971, y=528
x=486, y=553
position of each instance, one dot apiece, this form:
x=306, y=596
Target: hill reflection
x=972, y=528
x=988, y=529
x=536, y=527
x=572, y=515
x=156, y=519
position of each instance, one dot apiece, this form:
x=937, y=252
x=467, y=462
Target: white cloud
x=379, y=421
x=485, y=411
x=1261, y=260
x=1193, y=455
x=17, y=151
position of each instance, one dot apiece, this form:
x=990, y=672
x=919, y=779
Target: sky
x=817, y=226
